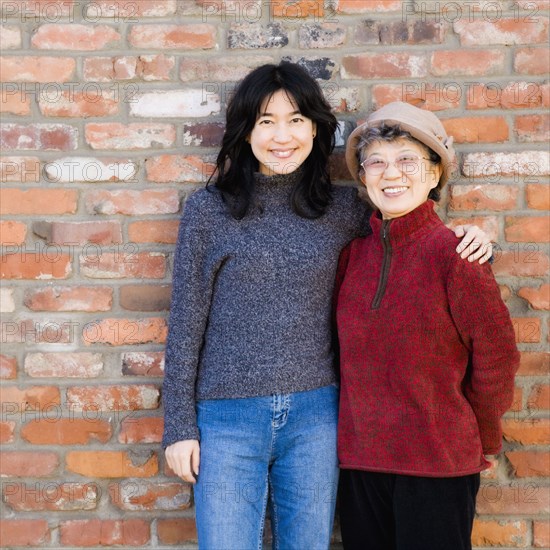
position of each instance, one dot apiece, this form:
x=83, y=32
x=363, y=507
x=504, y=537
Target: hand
x=183, y=458
x=475, y=245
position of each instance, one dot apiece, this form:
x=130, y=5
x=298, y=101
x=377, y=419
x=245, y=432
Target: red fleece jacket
x=427, y=352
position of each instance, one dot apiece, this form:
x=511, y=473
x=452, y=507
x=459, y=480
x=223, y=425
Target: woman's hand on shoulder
x=183, y=458
x=475, y=245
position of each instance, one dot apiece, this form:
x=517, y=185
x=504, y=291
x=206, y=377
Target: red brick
x=75, y=37
x=38, y=331
x=386, y=65
x=125, y=332
x=7, y=432
x=521, y=95
x=111, y=464
x=132, y=203
x=35, y=266
x=152, y=67
x=43, y=137
x=160, y=231
x=145, y=496
x=541, y=534
x=177, y=531
x=108, y=532
x=30, y=398
x=483, y=197
x=128, y=12
x=527, y=229
x=539, y=398
x=376, y=6
x=63, y=365
x=178, y=168
x=477, y=129
x=529, y=431
x=37, y=69
x=113, y=398
x=532, y=60
x=145, y=297
x=10, y=37
x=504, y=32
x=529, y=165
x=505, y=292
x=78, y=233
x=60, y=298
x=14, y=103
x=130, y=264
x=137, y=363
x=290, y=9
x=534, y=363
x=12, y=232
x=8, y=367
x=173, y=37
x=500, y=533
x=28, y=464
x=30, y=10
x=57, y=497
x=524, y=498
x=91, y=103
x=517, y=403
x=532, y=128
x=521, y=263
x=113, y=135
x=220, y=71
x=38, y=201
x=430, y=96
x=24, y=532
x=489, y=224
x=19, y=169
x=463, y=63
x=538, y=298
x=529, y=463
x=527, y=329
x=66, y=431
x=141, y=430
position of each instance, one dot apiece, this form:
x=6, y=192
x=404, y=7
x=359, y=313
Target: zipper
x=386, y=264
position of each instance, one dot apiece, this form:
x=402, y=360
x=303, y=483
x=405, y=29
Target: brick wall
x=112, y=113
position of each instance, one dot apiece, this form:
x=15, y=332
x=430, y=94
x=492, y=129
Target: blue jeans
x=281, y=445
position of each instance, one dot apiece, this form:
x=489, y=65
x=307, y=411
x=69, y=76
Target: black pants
x=397, y=512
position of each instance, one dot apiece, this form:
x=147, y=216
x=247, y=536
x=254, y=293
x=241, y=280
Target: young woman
x=427, y=350
x=249, y=365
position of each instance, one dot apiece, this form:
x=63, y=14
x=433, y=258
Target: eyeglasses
x=407, y=164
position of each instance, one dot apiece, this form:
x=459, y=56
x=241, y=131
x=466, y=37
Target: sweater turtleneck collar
x=410, y=226
x=277, y=181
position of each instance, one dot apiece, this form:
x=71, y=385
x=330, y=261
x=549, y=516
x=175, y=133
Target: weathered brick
x=177, y=531
x=483, y=197
x=138, y=363
x=527, y=329
x=528, y=431
x=12, y=232
x=144, y=496
x=403, y=32
x=35, y=266
x=8, y=367
x=521, y=263
x=178, y=168
x=320, y=68
x=38, y=201
x=514, y=95
x=145, y=297
x=534, y=363
x=91, y=103
x=90, y=170
x=463, y=63
x=527, y=229
x=111, y=464
x=294, y=9
x=132, y=203
x=509, y=499
x=175, y=103
x=541, y=534
x=63, y=365
x=430, y=96
x=104, y=532
x=217, y=72
x=353, y=7
x=37, y=69
x=57, y=497
x=52, y=36
x=141, y=430
x=125, y=332
x=131, y=11
x=150, y=67
x=532, y=128
x=66, y=431
x=117, y=136
x=113, y=398
x=7, y=430
x=19, y=169
x=42, y=331
x=7, y=303
x=526, y=164
x=161, y=231
x=492, y=533
x=196, y=36
x=325, y=35
x=529, y=463
x=251, y=36
x=73, y=298
x=35, y=10
x=532, y=60
x=386, y=65
x=28, y=464
x=14, y=103
x=539, y=398
x=10, y=37
x=106, y=265
x=477, y=129
x=39, y=137
x=489, y=224
x=505, y=31
x=24, y=532
x=78, y=233
x=538, y=298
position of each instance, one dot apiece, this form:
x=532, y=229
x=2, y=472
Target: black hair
x=236, y=163
x=392, y=132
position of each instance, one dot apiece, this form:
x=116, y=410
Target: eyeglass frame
x=387, y=164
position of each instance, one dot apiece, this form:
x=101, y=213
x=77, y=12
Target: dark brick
x=145, y=297
x=251, y=36
x=206, y=134
x=321, y=36
x=368, y=33
x=321, y=68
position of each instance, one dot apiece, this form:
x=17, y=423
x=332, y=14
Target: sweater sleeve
x=193, y=278
x=485, y=327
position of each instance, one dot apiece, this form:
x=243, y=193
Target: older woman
x=427, y=349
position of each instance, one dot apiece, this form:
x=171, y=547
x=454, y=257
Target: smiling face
x=282, y=138
x=398, y=176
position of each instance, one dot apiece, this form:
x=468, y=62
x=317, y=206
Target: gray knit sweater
x=251, y=301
